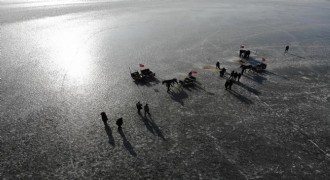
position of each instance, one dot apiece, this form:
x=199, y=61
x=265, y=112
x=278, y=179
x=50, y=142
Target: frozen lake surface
x=62, y=63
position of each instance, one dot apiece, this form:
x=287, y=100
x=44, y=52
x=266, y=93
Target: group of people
x=146, y=108
x=235, y=75
x=244, y=53
x=120, y=121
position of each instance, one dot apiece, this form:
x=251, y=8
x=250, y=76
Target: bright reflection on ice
x=70, y=51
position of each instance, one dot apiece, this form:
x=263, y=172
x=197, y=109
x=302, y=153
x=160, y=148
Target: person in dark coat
x=231, y=82
x=235, y=75
x=139, y=107
x=232, y=74
x=104, y=117
x=286, y=49
x=243, y=69
x=239, y=76
x=146, y=110
x=217, y=65
x=226, y=84
x=119, y=122
x=222, y=72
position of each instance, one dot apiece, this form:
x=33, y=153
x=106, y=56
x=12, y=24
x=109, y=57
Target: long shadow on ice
x=152, y=126
x=178, y=96
x=147, y=124
x=241, y=97
x=109, y=133
x=250, y=89
x=265, y=72
x=126, y=143
x=296, y=56
x=255, y=77
x=156, y=128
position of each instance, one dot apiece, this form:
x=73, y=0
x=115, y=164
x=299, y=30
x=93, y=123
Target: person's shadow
x=241, y=97
x=156, y=128
x=147, y=124
x=152, y=126
x=126, y=143
x=108, y=129
x=109, y=133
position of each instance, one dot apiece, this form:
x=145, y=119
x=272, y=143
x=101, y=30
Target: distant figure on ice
x=139, y=107
x=235, y=75
x=104, y=118
x=222, y=72
x=146, y=110
x=217, y=65
x=232, y=74
x=229, y=83
x=239, y=76
x=286, y=49
x=119, y=122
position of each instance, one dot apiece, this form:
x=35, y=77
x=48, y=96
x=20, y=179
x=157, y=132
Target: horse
x=247, y=54
x=244, y=67
x=170, y=81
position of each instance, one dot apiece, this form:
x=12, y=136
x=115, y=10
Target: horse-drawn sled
x=142, y=75
x=256, y=67
x=137, y=76
x=188, y=81
x=147, y=73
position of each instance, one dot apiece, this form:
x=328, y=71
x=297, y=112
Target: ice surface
x=62, y=64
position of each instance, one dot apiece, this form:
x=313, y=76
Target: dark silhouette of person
x=231, y=82
x=119, y=122
x=243, y=69
x=226, y=84
x=232, y=74
x=286, y=49
x=222, y=72
x=217, y=65
x=104, y=117
x=239, y=76
x=146, y=110
x=139, y=107
x=235, y=75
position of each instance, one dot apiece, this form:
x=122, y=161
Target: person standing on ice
x=139, y=107
x=217, y=65
x=146, y=110
x=104, y=118
x=239, y=76
x=119, y=123
x=286, y=49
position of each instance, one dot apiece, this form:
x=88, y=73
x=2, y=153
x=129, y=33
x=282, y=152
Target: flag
x=194, y=72
x=141, y=65
x=242, y=46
